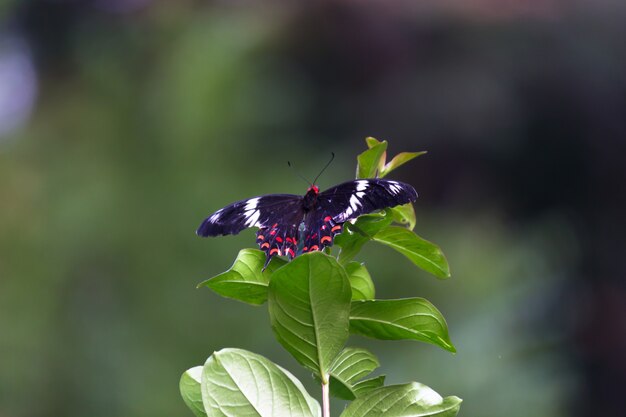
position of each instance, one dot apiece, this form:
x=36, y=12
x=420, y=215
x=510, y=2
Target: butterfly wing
x=348, y=201
x=353, y=198
x=254, y=212
x=276, y=215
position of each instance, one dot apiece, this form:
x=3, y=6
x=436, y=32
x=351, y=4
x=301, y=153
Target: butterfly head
x=313, y=189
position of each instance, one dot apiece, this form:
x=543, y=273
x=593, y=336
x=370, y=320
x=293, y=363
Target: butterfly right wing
x=348, y=201
x=276, y=215
x=353, y=198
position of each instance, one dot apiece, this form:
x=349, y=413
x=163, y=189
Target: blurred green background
x=123, y=123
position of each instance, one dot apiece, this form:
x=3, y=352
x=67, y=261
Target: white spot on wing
x=394, y=187
x=215, y=216
x=251, y=204
x=354, y=202
x=361, y=185
x=253, y=218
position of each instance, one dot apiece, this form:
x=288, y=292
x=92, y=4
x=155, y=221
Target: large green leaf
x=354, y=236
x=369, y=161
x=376, y=227
x=360, y=281
x=407, y=318
x=348, y=368
x=236, y=382
x=399, y=160
x=309, y=304
x=245, y=281
x=407, y=400
x=421, y=252
x=191, y=392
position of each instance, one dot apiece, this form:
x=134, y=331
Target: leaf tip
x=445, y=275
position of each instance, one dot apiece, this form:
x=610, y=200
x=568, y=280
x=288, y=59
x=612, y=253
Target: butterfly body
x=310, y=198
x=290, y=225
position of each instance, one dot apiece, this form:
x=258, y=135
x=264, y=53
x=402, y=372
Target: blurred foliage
x=150, y=118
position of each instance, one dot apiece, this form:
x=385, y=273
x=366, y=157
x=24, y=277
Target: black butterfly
x=291, y=224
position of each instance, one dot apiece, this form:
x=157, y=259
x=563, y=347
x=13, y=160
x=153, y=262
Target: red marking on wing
x=291, y=252
x=326, y=239
x=314, y=247
x=338, y=227
x=279, y=239
x=274, y=251
x=273, y=232
x=260, y=237
x=265, y=245
x=327, y=219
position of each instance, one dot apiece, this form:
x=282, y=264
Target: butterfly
x=290, y=225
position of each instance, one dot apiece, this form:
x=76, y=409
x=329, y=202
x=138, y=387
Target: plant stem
x=325, y=399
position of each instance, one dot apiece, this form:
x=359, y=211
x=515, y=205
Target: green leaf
x=191, y=392
x=354, y=236
x=369, y=225
x=245, y=281
x=376, y=226
x=368, y=385
x=421, y=252
x=351, y=244
x=407, y=400
x=371, y=142
x=369, y=161
x=360, y=281
x=348, y=368
x=407, y=318
x=236, y=382
x=309, y=304
x=404, y=214
x=399, y=160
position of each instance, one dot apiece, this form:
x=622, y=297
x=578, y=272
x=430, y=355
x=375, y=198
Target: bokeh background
x=124, y=122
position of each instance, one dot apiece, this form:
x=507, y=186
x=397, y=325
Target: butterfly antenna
x=327, y=165
x=298, y=174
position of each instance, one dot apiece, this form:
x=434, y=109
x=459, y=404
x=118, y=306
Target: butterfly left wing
x=348, y=201
x=276, y=215
x=253, y=212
